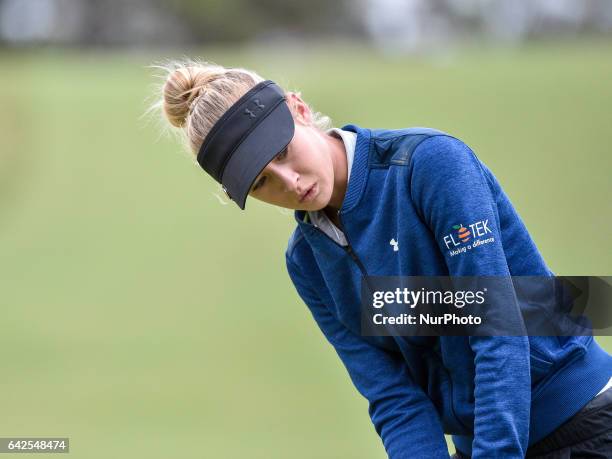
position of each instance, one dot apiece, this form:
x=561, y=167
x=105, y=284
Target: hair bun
x=182, y=87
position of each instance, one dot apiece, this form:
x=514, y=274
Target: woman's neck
x=340, y=165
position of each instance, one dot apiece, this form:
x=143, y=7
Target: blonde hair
x=195, y=94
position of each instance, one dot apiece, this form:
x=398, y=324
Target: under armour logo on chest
x=395, y=244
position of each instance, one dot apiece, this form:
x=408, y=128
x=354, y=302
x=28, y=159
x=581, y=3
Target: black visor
x=246, y=138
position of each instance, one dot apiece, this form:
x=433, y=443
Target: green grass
x=142, y=318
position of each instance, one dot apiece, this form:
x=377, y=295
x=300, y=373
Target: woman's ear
x=300, y=109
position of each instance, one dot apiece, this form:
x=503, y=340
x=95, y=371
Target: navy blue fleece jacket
x=495, y=395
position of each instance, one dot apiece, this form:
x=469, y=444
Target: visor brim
x=261, y=146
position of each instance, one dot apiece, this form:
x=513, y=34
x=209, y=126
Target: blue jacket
x=495, y=395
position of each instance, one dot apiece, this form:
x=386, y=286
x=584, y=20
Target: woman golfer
x=383, y=202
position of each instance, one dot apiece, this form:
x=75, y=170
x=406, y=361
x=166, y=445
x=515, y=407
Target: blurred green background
x=143, y=318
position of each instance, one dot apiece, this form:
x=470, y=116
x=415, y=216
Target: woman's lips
x=309, y=194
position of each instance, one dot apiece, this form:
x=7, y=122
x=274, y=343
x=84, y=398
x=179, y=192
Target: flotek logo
x=464, y=238
x=462, y=232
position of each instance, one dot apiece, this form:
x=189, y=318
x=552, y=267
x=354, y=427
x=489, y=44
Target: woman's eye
x=259, y=183
x=282, y=154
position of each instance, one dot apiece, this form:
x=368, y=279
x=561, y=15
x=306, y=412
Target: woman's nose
x=290, y=181
x=288, y=178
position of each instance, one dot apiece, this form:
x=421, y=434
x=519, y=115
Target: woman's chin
x=309, y=207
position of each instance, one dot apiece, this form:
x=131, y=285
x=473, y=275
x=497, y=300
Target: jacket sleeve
x=402, y=414
x=450, y=189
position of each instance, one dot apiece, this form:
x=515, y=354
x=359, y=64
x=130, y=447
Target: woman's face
x=302, y=176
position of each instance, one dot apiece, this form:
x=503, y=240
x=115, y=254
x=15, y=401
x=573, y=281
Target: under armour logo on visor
x=258, y=105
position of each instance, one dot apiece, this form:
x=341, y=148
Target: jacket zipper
x=349, y=249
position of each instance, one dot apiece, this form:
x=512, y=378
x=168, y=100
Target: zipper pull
x=351, y=252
